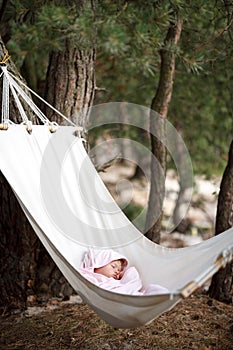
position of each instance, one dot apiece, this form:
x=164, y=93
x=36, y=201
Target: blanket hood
x=96, y=258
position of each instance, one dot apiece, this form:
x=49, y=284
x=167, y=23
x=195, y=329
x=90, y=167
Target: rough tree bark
x=160, y=104
x=221, y=287
x=18, y=243
x=27, y=271
x=70, y=87
x=70, y=84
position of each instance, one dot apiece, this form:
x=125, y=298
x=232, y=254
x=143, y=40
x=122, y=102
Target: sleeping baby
x=109, y=270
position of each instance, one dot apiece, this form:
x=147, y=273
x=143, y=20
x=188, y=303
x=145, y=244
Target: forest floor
x=197, y=322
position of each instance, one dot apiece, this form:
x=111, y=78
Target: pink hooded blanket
x=130, y=282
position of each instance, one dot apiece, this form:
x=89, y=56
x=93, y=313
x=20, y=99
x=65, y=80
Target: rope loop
x=28, y=126
x=4, y=125
x=53, y=126
x=5, y=59
x=78, y=131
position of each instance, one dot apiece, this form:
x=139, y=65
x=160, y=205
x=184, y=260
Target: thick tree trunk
x=70, y=87
x=18, y=243
x=26, y=270
x=221, y=287
x=70, y=84
x=160, y=104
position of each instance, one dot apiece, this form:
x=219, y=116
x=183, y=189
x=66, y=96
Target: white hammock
x=70, y=210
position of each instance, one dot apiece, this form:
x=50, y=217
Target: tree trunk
x=181, y=224
x=26, y=269
x=70, y=87
x=70, y=84
x=160, y=104
x=18, y=243
x=221, y=287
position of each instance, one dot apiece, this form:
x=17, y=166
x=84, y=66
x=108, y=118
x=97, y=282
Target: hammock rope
x=11, y=82
x=5, y=101
x=44, y=101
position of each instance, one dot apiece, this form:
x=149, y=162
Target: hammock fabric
x=71, y=211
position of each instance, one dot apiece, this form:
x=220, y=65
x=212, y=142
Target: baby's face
x=113, y=269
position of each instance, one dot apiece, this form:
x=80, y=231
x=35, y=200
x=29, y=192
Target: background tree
x=221, y=287
x=160, y=104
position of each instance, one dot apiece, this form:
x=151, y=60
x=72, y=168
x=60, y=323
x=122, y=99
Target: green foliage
x=42, y=28
x=207, y=123
x=128, y=36
x=202, y=97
